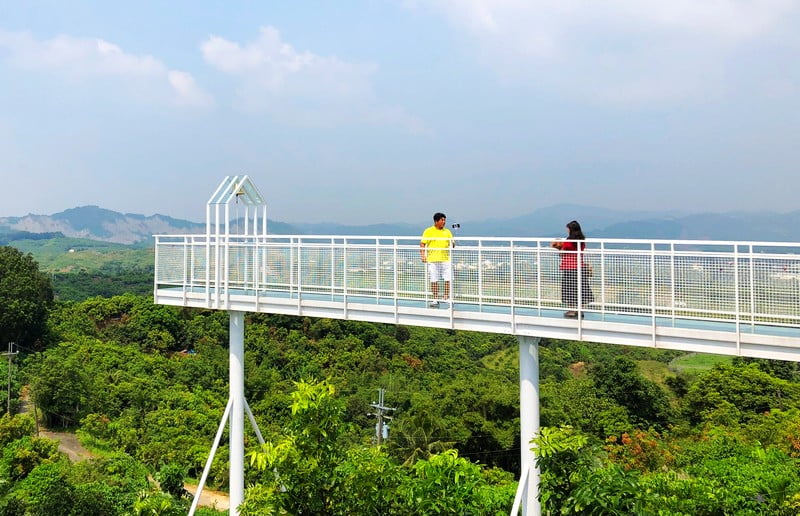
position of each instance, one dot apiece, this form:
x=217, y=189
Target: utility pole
x=10, y=354
x=381, y=414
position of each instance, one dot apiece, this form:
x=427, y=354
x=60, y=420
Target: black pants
x=569, y=288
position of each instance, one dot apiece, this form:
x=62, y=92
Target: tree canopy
x=25, y=297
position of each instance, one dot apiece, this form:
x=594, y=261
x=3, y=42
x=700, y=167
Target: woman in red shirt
x=569, y=270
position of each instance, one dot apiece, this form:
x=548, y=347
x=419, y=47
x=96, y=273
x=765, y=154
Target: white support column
x=237, y=410
x=529, y=420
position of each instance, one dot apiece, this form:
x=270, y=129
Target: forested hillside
x=625, y=430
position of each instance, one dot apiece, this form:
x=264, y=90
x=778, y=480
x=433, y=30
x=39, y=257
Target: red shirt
x=569, y=256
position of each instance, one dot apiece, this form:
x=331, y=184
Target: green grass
x=654, y=371
x=79, y=254
x=96, y=447
x=501, y=360
x=697, y=362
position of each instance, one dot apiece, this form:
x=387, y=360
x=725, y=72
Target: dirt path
x=68, y=444
x=208, y=498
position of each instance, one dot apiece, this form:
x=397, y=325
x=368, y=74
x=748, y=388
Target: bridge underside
x=630, y=329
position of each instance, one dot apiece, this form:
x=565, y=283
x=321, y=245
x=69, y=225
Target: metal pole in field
x=529, y=422
x=381, y=411
x=237, y=410
x=10, y=355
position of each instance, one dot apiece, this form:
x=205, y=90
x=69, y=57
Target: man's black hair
x=438, y=216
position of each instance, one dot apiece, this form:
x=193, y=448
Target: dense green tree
x=306, y=471
x=373, y=475
x=97, y=499
x=122, y=476
x=449, y=484
x=15, y=427
x=60, y=385
x=47, y=491
x=300, y=464
x=647, y=403
x=81, y=285
x=170, y=479
x=22, y=456
x=578, y=403
x=118, y=372
x=418, y=436
x=734, y=394
x=565, y=457
x=25, y=297
x=715, y=473
x=157, y=504
x=777, y=368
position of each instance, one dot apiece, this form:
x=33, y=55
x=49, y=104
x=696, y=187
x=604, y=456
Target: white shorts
x=439, y=270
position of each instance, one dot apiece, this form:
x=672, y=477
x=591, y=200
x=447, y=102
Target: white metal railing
x=741, y=282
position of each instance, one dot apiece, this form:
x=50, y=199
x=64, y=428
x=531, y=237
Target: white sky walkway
x=733, y=298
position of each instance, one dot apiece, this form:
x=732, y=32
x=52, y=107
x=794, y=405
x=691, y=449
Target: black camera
x=455, y=226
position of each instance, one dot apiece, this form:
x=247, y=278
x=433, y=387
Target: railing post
x=737, y=305
x=579, y=272
x=539, y=275
x=226, y=274
x=192, y=259
x=752, y=290
x=480, y=273
x=511, y=293
x=603, y=279
x=344, y=276
x=377, y=270
x=333, y=270
x=672, y=277
x=155, y=269
x=579, y=261
x=299, y=257
x=653, y=291
x=208, y=270
x=394, y=279
x=186, y=269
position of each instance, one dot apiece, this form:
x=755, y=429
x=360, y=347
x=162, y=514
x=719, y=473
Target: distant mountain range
x=97, y=223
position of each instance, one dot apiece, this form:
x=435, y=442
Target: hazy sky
x=387, y=110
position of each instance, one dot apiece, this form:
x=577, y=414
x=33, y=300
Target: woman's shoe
x=571, y=314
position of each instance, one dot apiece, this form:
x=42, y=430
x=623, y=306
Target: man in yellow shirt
x=434, y=249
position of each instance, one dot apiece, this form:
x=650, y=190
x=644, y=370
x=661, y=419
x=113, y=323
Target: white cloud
x=300, y=86
x=86, y=58
x=187, y=91
x=650, y=49
x=726, y=18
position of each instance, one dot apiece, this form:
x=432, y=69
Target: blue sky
x=388, y=110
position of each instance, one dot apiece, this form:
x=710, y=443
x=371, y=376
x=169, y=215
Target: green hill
x=65, y=254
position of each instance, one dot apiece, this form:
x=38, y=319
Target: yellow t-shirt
x=437, y=250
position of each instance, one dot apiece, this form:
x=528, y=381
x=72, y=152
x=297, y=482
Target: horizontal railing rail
x=742, y=282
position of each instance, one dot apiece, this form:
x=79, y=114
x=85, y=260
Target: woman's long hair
x=575, y=232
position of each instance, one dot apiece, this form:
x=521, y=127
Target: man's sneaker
x=434, y=304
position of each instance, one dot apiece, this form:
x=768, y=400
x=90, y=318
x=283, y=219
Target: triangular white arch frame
x=236, y=190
